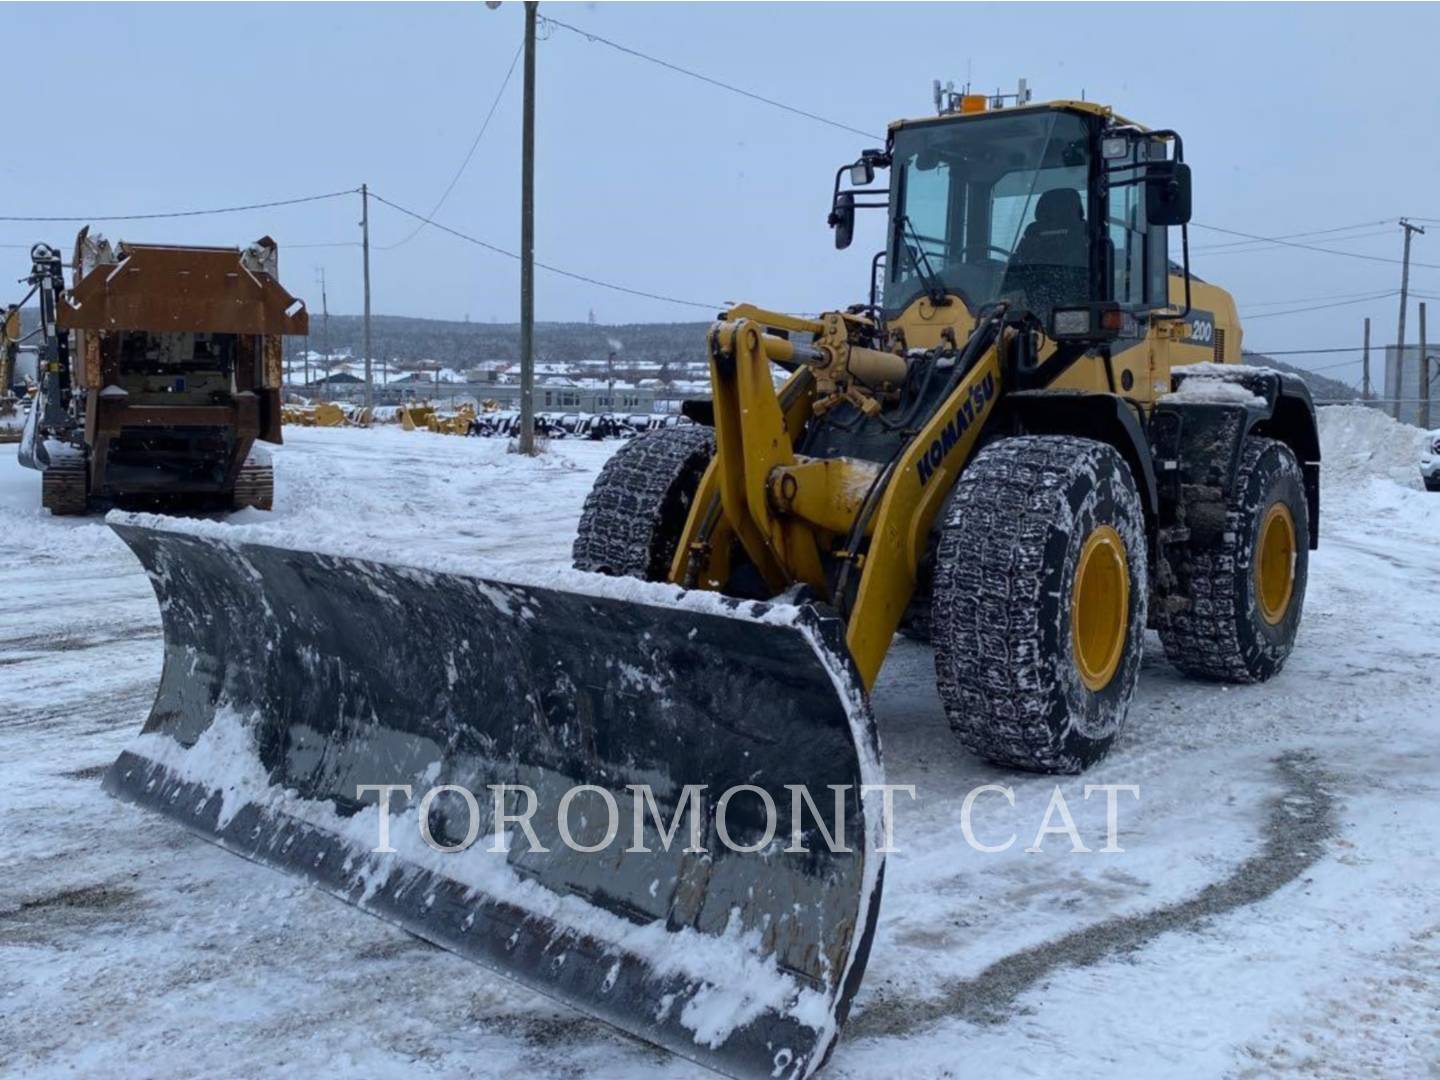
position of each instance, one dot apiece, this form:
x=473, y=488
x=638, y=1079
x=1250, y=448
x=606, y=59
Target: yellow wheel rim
x=1275, y=563
x=1100, y=607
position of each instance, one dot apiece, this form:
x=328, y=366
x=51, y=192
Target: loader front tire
x=1038, y=611
x=1243, y=594
x=636, y=511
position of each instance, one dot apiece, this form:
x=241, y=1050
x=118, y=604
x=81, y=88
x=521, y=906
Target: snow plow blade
x=293, y=679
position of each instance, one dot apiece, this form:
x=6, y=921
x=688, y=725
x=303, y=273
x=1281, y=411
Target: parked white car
x=1430, y=461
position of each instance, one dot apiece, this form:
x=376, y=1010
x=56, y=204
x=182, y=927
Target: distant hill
x=463, y=344
x=460, y=344
x=1321, y=388
x=405, y=341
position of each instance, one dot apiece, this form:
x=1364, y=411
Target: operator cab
x=1059, y=210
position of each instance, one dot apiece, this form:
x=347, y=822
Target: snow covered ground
x=1274, y=909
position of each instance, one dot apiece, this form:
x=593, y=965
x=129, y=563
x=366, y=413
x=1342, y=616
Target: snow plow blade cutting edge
x=293, y=678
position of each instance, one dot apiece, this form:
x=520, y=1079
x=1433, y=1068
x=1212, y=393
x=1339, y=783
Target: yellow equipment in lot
x=452, y=423
x=1032, y=440
x=9, y=399
x=326, y=414
x=413, y=417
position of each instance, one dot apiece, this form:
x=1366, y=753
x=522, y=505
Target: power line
x=1310, y=299
x=1301, y=235
x=1307, y=352
x=1267, y=355
x=468, y=155
x=1331, y=367
x=1311, y=247
x=593, y=37
x=1321, y=307
x=1247, y=247
x=186, y=213
x=544, y=266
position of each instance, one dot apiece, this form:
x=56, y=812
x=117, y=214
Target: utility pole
x=325, y=331
x=1410, y=230
x=1365, y=364
x=527, y=242
x=365, y=245
x=1424, y=374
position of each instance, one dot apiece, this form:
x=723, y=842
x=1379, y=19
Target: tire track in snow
x=1299, y=820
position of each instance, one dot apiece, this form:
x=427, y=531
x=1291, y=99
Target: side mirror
x=862, y=173
x=842, y=219
x=1167, y=193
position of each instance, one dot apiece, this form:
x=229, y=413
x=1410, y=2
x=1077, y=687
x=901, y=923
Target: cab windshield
x=991, y=208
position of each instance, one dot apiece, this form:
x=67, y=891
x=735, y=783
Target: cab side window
x=1140, y=263
x=1126, y=230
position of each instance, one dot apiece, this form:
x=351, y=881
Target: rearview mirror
x=842, y=219
x=1167, y=193
x=862, y=173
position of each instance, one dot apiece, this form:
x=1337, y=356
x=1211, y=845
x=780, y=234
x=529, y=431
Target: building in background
x=1407, y=388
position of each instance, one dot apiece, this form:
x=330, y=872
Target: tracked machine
x=160, y=368
x=1031, y=442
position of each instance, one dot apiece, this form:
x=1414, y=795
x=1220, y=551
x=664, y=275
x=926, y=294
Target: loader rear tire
x=636, y=511
x=1039, y=602
x=1244, y=594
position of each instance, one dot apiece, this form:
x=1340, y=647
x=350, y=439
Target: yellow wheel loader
x=1032, y=441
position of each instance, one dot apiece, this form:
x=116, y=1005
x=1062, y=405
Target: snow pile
x=1359, y=442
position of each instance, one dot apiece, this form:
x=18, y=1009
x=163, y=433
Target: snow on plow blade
x=293, y=679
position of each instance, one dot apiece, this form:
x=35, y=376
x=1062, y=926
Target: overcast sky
x=1295, y=117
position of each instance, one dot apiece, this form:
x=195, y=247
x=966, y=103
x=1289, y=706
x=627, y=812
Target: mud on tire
x=1004, y=612
x=1222, y=633
x=637, y=509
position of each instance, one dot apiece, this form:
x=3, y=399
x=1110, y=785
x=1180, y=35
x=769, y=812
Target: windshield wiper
x=920, y=259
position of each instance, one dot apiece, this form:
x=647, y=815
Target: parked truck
x=159, y=370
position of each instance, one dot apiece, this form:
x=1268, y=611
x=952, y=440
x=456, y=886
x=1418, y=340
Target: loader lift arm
x=870, y=522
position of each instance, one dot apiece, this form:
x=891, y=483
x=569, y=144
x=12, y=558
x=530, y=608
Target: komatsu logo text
x=980, y=394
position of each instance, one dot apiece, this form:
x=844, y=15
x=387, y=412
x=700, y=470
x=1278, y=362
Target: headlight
x=1114, y=147
x=1072, y=323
